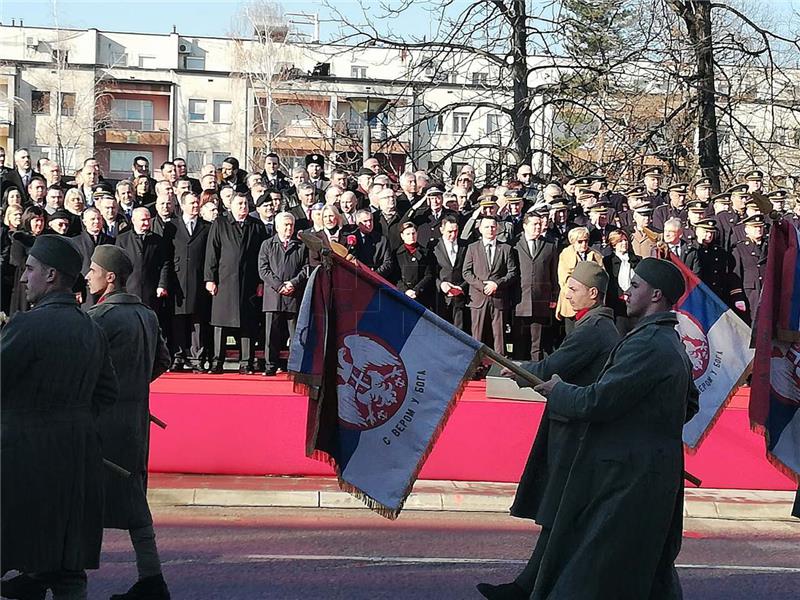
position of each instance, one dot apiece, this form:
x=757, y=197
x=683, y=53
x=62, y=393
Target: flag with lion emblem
x=717, y=342
x=382, y=375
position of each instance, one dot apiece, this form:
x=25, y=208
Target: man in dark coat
x=491, y=272
x=57, y=378
x=191, y=303
x=281, y=266
x=414, y=270
x=90, y=238
x=537, y=291
x=273, y=178
x=710, y=261
x=617, y=530
x=372, y=249
x=578, y=360
x=675, y=209
x=139, y=355
x=231, y=275
x=150, y=255
x=749, y=267
x=451, y=289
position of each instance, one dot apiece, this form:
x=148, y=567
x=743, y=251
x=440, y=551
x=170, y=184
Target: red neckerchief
x=581, y=313
x=412, y=248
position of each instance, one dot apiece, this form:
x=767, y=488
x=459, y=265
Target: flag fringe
x=759, y=428
x=692, y=450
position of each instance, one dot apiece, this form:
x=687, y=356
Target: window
x=436, y=124
x=197, y=110
x=147, y=62
x=195, y=159
x=61, y=56
x=493, y=125
x=479, y=79
x=460, y=122
x=68, y=104
x=132, y=114
x=222, y=111
x=195, y=63
x=40, y=102
x=358, y=72
x=120, y=161
x=118, y=59
x=218, y=157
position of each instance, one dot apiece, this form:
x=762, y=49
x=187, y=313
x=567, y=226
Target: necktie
x=453, y=254
x=532, y=248
x=490, y=254
x=676, y=250
x=190, y=227
x=285, y=245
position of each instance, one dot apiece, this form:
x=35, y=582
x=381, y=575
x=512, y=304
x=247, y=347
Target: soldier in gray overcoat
x=57, y=378
x=578, y=360
x=139, y=355
x=617, y=530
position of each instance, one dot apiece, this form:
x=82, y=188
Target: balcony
x=146, y=133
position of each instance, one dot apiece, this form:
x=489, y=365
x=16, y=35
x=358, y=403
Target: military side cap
x=738, y=190
x=696, y=206
x=654, y=171
x=315, y=159
x=681, y=188
x=60, y=214
x=778, y=195
x=489, y=200
x=662, y=275
x=592, y=275
x=723, y=198
x=707, y=224
x=703, y=182
x=754, y=175
x=433, y=190
x=113, y=259
x=365, y=171
x=57, y=252
x=754, y=220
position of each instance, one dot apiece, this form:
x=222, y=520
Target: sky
x=213, y=17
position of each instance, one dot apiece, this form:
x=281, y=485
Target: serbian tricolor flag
x=382, y=375
x=775, y=387
x=717, y=342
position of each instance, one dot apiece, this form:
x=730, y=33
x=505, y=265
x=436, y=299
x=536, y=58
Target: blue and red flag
x=382, y=375
x=775, y=387
x=717, y=342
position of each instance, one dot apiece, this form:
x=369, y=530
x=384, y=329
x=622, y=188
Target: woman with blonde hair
x=570, y=256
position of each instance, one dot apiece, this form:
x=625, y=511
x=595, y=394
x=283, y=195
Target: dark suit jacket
x=11, y=178
x=187, y=287
x=276, y=265
x=151, y=264
x=451, y=273
x=538, y=279
x=372, y=251
x=415, y=272
x=503, y=272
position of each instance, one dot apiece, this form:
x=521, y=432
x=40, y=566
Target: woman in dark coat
x=33, y=223
x=619, y=265
x=414, y=270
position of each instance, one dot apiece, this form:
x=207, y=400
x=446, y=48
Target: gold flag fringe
x=774, y=460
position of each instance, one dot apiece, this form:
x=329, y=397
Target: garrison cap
x=754, y=220
x=582, y=182
x=113, y=259
x=433, y=190
x=592, y=275
x=57, y=252
x=754, y=175
x=707, y=224
x=654, y=171
x=681, y=188
x=723, y=198
x=703, y=182
x=365, y=171
x=513, y=196
x=778, y=195
x=662, y=275
x=488, y=200
x=696, y=206
x=645, y=210
x=738, y=190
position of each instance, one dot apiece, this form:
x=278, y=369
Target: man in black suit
x=451, y=289
x=537, y=290
x=231, y=276
x=90, y=238
x=233, y=176
x=272, y=175
x=410, y=194
x=372, y=249
x=281, y=266
x=191, y=332
x=490, y=271
x=315, y=165
x=428, y=220
x=181, y=171
x=115, y=223
x=149, y=254
x=20, y=176
x=3, y=168
x=388, y=220
x=306, y=195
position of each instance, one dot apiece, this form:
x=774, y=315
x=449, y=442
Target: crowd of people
x=219, y=255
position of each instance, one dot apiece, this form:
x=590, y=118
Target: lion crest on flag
x=371, y=381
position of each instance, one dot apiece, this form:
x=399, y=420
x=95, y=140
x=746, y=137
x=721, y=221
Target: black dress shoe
x=178, y=368
x=269, y=372
x=216, y=369
x=149, y=588
x=246, y=370
x=22, y=587
x=504, y=591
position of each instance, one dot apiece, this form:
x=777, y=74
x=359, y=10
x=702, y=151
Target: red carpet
x=252, y=425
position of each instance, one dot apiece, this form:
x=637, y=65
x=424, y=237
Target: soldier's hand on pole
x=547, y=387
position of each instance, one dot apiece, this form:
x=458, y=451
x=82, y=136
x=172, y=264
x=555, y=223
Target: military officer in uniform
x=695, y=212
x=676, y=208
x=703, y=190
x=652, y=177
x=755, y=187
x=579, y=360
x=778, y=200
x=139, y=355
x=709, y=261
x=725, y=219
x=641, y=243
x=750, y=263
x=315, y=165
x=57, y=378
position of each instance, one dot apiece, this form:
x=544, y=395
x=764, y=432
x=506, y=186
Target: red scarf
x=412, y=248
x=581, y=313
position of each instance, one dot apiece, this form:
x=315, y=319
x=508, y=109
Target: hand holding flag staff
x=382, y=375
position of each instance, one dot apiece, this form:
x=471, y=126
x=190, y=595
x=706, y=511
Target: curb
x=739, y=505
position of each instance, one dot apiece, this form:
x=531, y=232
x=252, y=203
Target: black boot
x=149, y=588
x=504, y=591
x=22, y=587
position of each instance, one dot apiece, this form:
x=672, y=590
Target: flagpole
x=510, y=365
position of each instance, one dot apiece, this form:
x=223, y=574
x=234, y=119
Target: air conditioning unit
x=184, y=49
x=32, y=43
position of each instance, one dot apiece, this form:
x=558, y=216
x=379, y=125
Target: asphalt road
x=357, y=555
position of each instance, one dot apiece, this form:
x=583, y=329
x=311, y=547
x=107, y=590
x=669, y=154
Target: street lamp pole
x=369, y=107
